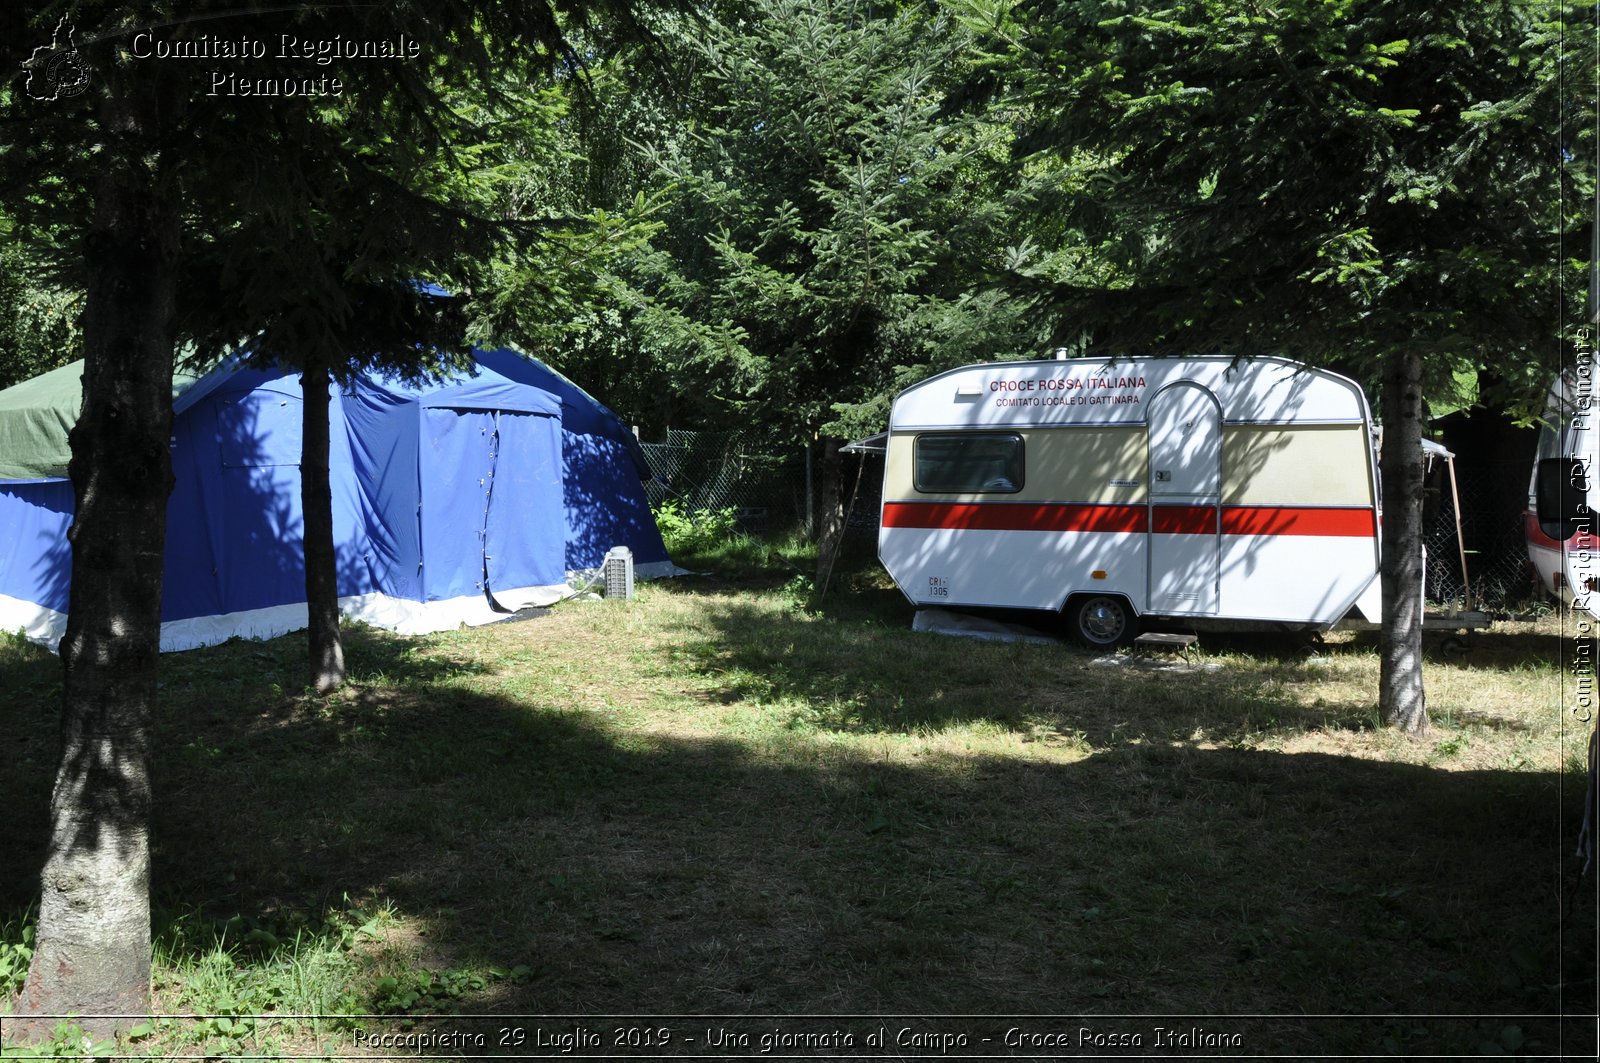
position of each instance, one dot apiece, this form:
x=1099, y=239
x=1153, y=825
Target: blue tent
x=454, y=502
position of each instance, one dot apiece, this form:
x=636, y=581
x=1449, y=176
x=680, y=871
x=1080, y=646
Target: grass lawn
x=717, y=801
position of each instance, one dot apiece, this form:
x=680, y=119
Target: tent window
x=969, y=463
x=258, y=430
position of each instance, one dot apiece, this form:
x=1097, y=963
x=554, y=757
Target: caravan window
x=969, y=463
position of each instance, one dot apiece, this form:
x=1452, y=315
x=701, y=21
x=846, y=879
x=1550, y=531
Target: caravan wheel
x=1100, y=621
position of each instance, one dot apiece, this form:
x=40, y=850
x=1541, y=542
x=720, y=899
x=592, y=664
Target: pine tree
x=831, y=222
x=1372, y=185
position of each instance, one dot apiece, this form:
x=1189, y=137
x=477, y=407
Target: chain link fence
x=765, y=483
x=1491, y=508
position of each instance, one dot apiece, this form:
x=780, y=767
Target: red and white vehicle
x=1560, y=520
x=1214, y=492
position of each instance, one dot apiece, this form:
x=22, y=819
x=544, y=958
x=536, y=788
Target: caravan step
x=1170, y=640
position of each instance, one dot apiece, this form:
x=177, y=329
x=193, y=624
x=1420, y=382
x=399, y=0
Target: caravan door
x=1185, y=554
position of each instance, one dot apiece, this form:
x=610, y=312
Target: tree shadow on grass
x=1502, y=646
x=865, y=670
x=868, y=676
x=243, y=690
x=637, y=872
x=862, y=590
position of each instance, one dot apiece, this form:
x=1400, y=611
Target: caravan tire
x=1100, y=621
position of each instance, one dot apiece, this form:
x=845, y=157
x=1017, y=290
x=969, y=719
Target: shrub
x=703, y=529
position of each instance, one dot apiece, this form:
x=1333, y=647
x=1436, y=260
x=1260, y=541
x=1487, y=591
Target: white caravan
x=1559, y=524
x=1214, y=492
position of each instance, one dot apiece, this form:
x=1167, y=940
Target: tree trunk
x=316, y=503
x=93, y=947
x=1400, y=693
x=829, y=507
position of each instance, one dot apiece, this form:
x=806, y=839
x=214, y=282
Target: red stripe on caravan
x=1014, y=516
x=1184, y=520
x=1298, y=520
x=1533, y=531
x=1168, y=520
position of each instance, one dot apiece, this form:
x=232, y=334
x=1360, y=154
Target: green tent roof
x=35, y=417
